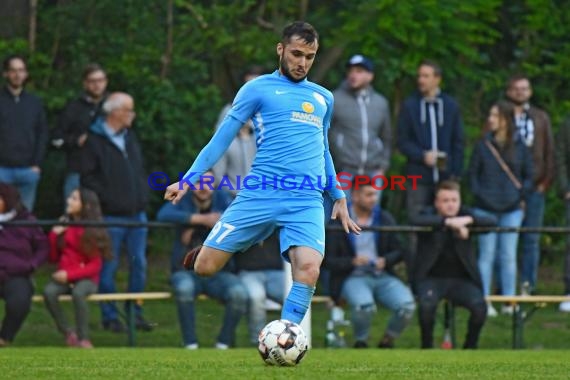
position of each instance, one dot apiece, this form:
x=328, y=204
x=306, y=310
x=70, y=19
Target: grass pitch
x=165, y=363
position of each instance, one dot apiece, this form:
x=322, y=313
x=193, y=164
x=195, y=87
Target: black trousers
x=461, y=292
x=17, y=293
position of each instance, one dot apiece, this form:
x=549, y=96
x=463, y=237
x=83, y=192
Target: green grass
x=60, y=363
x=39, y=351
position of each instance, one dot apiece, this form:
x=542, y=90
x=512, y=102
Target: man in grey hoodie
x=360, y=134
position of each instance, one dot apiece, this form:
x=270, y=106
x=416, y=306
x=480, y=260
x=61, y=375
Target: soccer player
x=291, y=117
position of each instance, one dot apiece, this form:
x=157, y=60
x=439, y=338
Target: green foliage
x=479, y=44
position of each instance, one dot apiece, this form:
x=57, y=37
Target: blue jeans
x=260, y=285
x=223, y=286
x=135, y=240
x=71, y=183
x=362, y=293
x=530, y=242
x=500, y=246
x=25, y=180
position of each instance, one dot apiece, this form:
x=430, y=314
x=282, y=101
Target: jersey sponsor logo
x=278, y=92
x=303, y=117
x=308, y=107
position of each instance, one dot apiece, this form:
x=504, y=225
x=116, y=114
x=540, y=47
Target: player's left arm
x=340, y=209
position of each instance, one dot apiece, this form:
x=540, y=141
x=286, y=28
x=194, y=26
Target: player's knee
x=204, y=268
x=308, y=273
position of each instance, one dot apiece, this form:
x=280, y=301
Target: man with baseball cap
x=360, y=134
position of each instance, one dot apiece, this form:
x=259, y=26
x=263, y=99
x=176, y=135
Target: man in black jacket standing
x=362, y=270
x=75, y=120
x=113, y=168
x=23, y=132
x=446, y=264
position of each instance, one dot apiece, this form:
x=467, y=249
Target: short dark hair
x=433, y=64
x=515, y=78
x=8, y=60
x=302, y=29
x=92, y=68
x=448, y=185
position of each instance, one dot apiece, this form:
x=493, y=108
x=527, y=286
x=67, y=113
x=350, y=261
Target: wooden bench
x=520, y=313
x=520, y=316
x=137, y=298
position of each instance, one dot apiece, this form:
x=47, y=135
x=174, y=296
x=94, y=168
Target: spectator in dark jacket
x=533, y=127
x=113, y=168
x=362, y=270
x=430, y=135
x=500, y=173
x=446, y=265
x=202, y=210
x=75, y=120
x=22, y=250
x=23, y=132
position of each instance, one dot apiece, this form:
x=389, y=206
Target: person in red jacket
x=79, y=252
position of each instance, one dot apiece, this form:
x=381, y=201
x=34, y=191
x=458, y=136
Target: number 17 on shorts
x=220, y=231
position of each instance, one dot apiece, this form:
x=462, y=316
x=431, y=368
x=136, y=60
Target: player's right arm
x=245, y=105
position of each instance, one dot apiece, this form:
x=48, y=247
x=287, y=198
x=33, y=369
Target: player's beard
x=286, y=70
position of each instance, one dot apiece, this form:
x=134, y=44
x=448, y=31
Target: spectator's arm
x=53, y=249
x=173, y=213
x=475, y=166
x=90, y=173
x=393, y=253
x=40, y=246
x=427, y=219
x=42, y=136
x=406, y=139
x=385, y=134
x=66, y=129
x=527, y=171
x=457, y=146
x=562, y=152
x=90, y=269
x=482, y=220
x=548, y=150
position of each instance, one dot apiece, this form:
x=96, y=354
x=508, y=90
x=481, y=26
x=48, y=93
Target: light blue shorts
x=255, y=214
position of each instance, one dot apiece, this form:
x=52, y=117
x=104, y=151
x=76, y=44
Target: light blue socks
x=297, y=302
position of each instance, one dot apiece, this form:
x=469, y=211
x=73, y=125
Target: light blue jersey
x=291, y=122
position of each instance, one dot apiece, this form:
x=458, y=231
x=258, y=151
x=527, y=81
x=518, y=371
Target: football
x=282, y=343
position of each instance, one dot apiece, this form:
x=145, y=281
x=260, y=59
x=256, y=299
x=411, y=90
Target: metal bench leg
x=518, y=325
x=452, y=324
x=131, y=323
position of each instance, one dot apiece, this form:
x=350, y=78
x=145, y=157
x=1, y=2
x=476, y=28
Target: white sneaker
x=508, y=309
x=491, y=311
x=565, y=306
x=193, y=346
x=222, y=346
x=271, y=305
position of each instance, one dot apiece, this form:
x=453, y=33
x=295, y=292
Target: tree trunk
x=14, y=18
x=33, y=25
x=167, y=56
